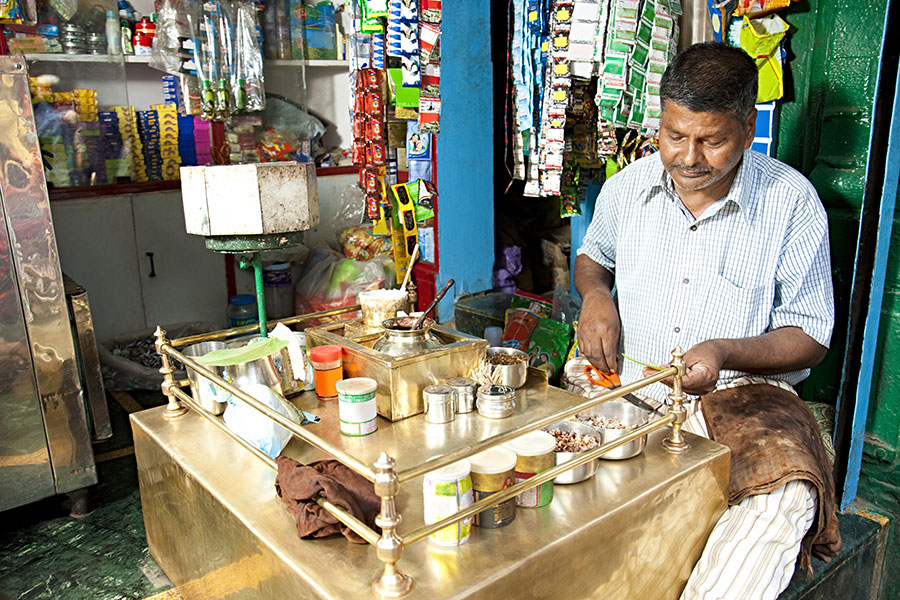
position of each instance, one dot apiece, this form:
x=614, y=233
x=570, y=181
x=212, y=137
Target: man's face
x=700, y=149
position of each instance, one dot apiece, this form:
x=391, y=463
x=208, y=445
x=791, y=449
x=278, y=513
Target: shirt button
x=686, y=280
x=693, y=228
x=678, y=330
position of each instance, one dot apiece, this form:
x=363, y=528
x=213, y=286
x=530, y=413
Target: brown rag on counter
x=299, y=485
x=774, y=439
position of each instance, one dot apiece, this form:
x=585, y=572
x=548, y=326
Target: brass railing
x=389, y=545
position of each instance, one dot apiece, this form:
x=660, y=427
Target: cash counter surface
x=217, y=529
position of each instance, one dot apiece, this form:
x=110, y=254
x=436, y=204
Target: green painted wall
x=824, y=132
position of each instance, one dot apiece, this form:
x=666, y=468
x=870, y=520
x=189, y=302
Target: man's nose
x=693, y=154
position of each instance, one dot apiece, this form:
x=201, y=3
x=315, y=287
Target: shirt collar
x=739, y=193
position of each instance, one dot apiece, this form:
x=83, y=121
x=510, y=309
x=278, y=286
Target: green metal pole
x=260, y=294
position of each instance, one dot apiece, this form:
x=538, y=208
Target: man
x=724, y=252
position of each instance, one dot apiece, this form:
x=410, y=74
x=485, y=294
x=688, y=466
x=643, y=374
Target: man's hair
x=711, y=77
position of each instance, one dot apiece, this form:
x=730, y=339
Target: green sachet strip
x=244, y=354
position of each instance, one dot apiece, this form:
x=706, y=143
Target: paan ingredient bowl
x=628, y=415
x=513, y=375
x=581, y=472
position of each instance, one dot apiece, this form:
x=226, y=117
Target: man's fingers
x=609, y=352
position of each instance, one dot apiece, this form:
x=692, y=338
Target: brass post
x=675, y=443
x=389, y=548
x=413, y=295
x=174, y=408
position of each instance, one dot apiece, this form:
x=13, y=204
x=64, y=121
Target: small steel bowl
x=629, y=415
x=581, y=472
x=512, y=375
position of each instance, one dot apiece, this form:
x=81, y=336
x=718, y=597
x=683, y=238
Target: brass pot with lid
x=400, y=339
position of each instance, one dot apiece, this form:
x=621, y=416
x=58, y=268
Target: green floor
x=46, y=554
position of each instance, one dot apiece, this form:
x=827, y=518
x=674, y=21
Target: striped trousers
x=751, y=551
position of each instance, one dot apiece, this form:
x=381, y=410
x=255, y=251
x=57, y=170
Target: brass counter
x=217, y=529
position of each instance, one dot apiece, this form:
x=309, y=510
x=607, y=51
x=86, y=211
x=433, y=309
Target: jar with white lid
x=447, y=491
x=492, y=471
x=535, y=452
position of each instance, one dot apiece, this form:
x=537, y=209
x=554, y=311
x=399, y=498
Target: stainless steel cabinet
x=45, y=445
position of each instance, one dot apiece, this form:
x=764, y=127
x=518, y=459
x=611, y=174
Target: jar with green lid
x=535, y=452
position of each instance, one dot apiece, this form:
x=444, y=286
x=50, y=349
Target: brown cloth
x=774, y=439
x=299, y=485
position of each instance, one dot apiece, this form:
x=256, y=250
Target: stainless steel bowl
x=581, y=472
x=629, y=415
x=512, y=375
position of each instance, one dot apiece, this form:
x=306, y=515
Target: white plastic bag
x=255, y=427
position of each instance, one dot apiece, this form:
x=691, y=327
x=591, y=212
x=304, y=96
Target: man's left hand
x=702, y=365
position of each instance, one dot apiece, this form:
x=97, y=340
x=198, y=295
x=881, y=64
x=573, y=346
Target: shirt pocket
x=732, y=311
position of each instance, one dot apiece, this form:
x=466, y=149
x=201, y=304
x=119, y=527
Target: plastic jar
x=447, y=491
x=494, y=470
x=279, y=292
x=356, y=405
x=327, y=370
x=535, y=452
x=242, y=310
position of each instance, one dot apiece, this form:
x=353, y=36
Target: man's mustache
x=683, y=167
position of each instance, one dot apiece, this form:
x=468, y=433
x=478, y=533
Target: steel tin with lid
x=440, y=401
x=465, y=393
x=494, y=470
x=496, y=401
x=535, y=452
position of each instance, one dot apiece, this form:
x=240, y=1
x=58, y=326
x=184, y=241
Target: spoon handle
x=437, y=298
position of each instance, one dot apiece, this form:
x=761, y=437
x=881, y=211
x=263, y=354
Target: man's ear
x=750, y=129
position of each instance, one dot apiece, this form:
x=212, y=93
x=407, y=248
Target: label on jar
x=357, y=429
x=497, y=516
x=443, y=499
x=235, y=322
x=536, y=497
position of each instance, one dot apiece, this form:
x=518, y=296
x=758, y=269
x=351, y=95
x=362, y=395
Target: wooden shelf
x=145, y=59
x=308, y=63
x=88, y=58
x=148, y=187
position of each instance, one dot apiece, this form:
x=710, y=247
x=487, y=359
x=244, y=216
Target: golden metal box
x=401, y=379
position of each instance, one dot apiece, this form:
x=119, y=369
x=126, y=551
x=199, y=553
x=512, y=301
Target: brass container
x=402, y=379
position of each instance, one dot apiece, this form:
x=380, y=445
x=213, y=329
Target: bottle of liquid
x=113, y=33
x=125, y=28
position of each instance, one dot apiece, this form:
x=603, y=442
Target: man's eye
x=714, y=143
x=676, y=138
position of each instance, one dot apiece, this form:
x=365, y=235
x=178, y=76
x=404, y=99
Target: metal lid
x=438, y=394
x=466, y=383
x=496, y=392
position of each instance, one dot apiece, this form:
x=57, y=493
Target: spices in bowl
x=504, y=366
x=599, y=422
x=572, y=439
x=506, y=359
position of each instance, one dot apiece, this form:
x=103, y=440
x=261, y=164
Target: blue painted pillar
x=465, y=161
x=876, y=296
x=578, y=227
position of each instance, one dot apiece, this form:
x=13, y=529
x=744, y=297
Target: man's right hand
x=598, y=330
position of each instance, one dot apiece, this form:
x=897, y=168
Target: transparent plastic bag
x=247, y=77
x=171, y=24
x=332, y=280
